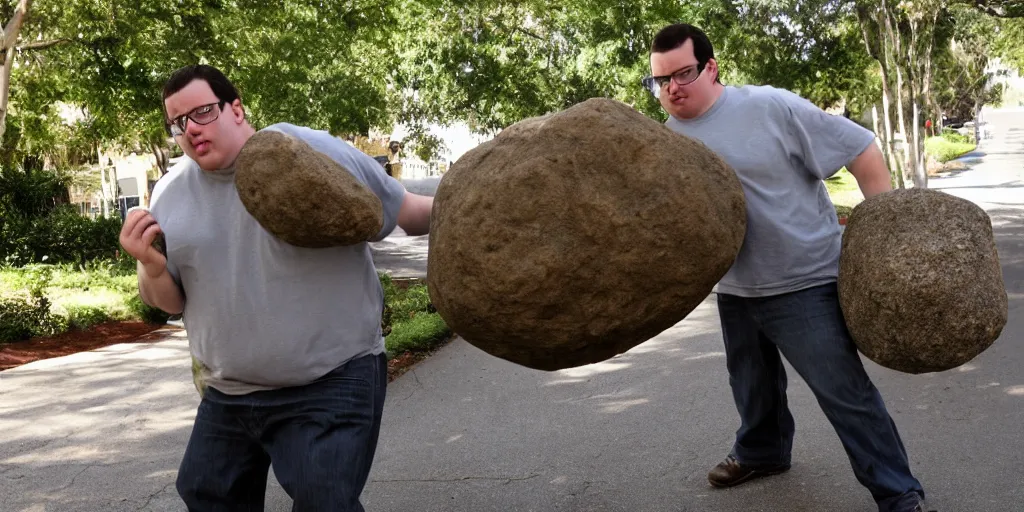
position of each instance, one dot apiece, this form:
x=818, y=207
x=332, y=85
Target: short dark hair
x=674, y=36
x=222, y=87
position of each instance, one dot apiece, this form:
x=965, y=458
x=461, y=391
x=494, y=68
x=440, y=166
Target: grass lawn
x=45, y=300
x=845, y=193
x=410, y=323
x=842, y=188
x=948, y=147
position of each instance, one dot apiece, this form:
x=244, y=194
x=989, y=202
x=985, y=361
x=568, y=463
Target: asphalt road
x=464, y=431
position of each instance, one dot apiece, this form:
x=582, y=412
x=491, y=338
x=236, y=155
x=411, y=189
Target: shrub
x=954, y=136
x=410, y=322
x=948, y=146
x=421, y=332
x=843, y=210
x=62, y=236
x=82, y=317
x=144, y=311
x=24, y=317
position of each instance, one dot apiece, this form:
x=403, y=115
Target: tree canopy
x=86, y=74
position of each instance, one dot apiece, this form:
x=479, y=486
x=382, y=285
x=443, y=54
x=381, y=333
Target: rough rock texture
x=303, y=196
x=920, y=282
x=574, y=237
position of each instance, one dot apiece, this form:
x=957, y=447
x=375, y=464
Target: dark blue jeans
x=808, y=328
x=320, y=438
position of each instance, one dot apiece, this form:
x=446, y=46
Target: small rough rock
x=573, y=237
x=303, y=196
x=919, y=280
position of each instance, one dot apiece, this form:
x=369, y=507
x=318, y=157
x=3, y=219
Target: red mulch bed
x=112, y=333
x=101, y=335
x=401, y=363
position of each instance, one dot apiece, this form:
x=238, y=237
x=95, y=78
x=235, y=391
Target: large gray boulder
x=920, y=282
x=302, y=196
x=574, y=237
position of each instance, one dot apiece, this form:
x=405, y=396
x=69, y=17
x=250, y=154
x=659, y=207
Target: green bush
x=37, y=224
x=82, y=317
x=410, y=322
x=30, y=192
x=843, y=210
x=421, y=332
x=62, y=236
x=41, y=300
x=954, y=136
x=145, y=312
x=948, y=146
x=22, y=318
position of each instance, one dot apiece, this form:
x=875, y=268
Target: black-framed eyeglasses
x=203, y=114
x=684, y=76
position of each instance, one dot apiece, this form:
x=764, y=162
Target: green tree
x=1008, y=42
x=296, y=60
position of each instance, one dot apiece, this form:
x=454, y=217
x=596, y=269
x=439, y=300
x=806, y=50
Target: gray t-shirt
x=781, y=147
x=260, y=313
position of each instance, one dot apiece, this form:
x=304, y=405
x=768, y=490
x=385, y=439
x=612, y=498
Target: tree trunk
x=116, y=187
x=926, y=92
x=7, y=42
x=921, y=167
x=161, y=157
x=914, y=81
x=883, y=142
x=891, y=42
x=5, y=88
x=105, y=205
x=894, y=163
x=883, y=60
x=977, y=122
x=900, y=113
x=881, y=56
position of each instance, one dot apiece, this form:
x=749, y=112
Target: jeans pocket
x=350, y=387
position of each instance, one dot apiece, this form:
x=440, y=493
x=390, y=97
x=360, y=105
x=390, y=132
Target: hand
x=137, y=235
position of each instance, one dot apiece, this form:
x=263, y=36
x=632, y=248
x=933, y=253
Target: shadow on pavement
x=99, y=430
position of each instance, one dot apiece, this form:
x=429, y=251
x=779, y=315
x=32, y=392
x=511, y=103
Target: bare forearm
x=414, y=216
x=871, y=172
x=160, y=291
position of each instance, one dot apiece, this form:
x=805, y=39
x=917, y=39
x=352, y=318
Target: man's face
x=216, y=142
x=693, y=99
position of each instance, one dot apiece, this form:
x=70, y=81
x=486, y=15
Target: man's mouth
x=202, y=146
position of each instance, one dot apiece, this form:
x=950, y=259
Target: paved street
x=468, y=432
x=464, y=431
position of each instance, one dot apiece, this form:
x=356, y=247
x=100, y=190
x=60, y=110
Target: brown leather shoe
x=730, y=472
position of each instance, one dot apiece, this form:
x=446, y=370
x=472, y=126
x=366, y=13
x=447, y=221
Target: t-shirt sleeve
x=359, y=164
x=159, y=205
x=824, y=143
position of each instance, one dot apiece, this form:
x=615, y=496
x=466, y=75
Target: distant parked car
x=952, y=122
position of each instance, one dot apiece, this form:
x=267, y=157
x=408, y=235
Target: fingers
x=131, y=220
x=150, y=233
x=144, y=222
x=138, y=233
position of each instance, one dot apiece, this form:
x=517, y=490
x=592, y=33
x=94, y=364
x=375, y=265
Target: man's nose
x=673, y=87
x=192, y=127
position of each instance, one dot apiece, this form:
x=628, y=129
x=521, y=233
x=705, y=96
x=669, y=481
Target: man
x=781, y=295
x=287, y=340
